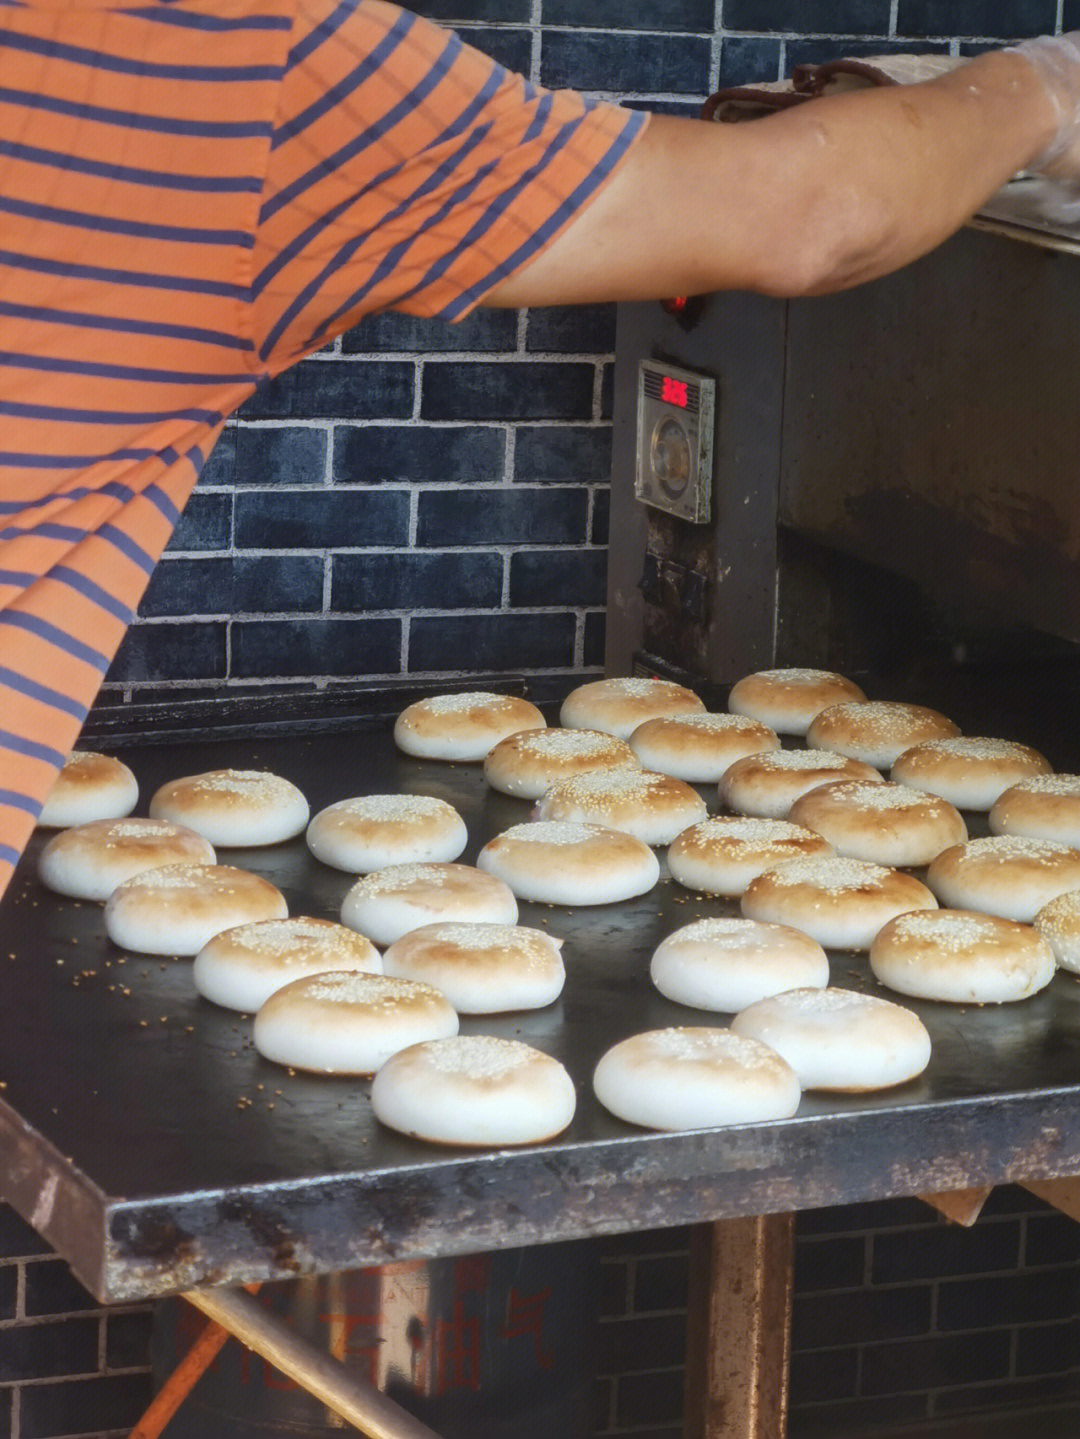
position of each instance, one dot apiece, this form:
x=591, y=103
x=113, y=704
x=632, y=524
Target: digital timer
x=675, y=438
x=674, y=392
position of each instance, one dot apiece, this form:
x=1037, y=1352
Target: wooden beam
x=962, y=1206
x=1063, y=1194
x=739, y=1328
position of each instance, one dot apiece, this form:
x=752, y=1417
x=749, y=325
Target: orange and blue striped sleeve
x=194, y=194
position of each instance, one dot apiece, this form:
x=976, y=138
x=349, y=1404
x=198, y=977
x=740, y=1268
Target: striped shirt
x=194, y=195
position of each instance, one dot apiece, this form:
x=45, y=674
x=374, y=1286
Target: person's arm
x=810, y=200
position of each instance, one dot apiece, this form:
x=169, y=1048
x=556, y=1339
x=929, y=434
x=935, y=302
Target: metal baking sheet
x=147, y=1141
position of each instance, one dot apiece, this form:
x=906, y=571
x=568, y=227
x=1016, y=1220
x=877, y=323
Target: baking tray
x=147, y=1141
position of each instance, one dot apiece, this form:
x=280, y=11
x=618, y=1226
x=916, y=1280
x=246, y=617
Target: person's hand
x=1056, y=60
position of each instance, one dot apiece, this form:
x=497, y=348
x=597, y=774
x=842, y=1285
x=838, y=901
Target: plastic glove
x=1057, y=62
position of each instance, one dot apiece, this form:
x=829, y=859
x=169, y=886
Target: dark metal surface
x=144, y=1137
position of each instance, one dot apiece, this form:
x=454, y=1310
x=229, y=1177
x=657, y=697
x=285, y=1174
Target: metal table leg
x=739, y=1328
x=365, y=1408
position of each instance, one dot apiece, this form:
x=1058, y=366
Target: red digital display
x=674, y=392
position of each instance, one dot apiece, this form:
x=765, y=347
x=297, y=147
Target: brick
x=853, y=1416
x=571, y=577
x=448, y=12
x=234, y=584
x=83, y=1406
x=603, y=1402
x=644, y=1399
x=409, y=581
x=48, y=1350
x=491, y=642
x=595, y=641
x=156, y=652
x=397, y=454
x=829, y=1264
x=661, y=1284
x=613, y=1288
x=9, y=1281
x=745, y=61
x=601, y=520
x=205, y=524
x=1048, y=1348
x=501, y=517
x=336, y=390
x=828, y=1321
x=16, y=1236
x=876, y=1214
x=510, y=48
x=647, y=1241
x=500, y=390
x=561, y=453
x=924, y=1364
x=1015, y=1396
x=1006, y=19
x=320, y=519
x=628, y=1346
x=393, y=333
x=808, y=17
x=220, y=467
x=1008, y=1299
x=51, y=1288
x=816, y=52
x=571, y=329
x=280, y=455
x=944, y=1251
x=634, y=64
x=630, y=14
x=127, y=1339
x=272, y=648
x=607, y=391
x=824, y=1377
x=1070, y=16
x=1051, y=1239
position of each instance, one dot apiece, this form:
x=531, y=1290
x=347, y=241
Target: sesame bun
x=883, y=823
x=375, y=830
x=767, y=785
x=876, y=731
x=234, y=808
x=178, y=909
x=726, y=964
x=652, y=807
x=838, y=1040
x=350, y=1023
x=1046, y=807
x=481, y=968
x=387, y=904
x=618, y=706
x=1059, y=924
x=1008, y=875
x=89, y=787
x=242, y=967
x=969, y=773
x=528, y=763
x=463, y=726
x=787, y=700
x=695, y=1079
x=842, y=903
x=961, y=957
x=554, y=862
x=699, y=747
x=474, y=1089
x=88, y=862
x=722, y=856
